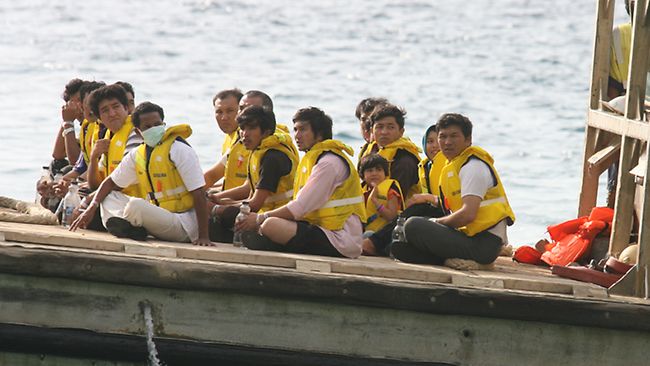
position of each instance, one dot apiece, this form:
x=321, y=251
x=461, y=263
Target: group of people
x=143, y=178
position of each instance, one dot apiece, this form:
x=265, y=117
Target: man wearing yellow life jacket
x=363, y=112
x=326, y=214
x=110, y=103
x=271, y=168
x=423, y=204
x=473, y=198
x=168, y=171
x=234, y=156
x=402, y=154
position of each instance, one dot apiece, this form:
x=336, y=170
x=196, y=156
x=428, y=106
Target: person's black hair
x=128, y=87
x=373, y=161
x=320, y=123
x=368, y=105
x=113, y=91
x=257, y=116
x=389, y=110
x=455, y=119
x=143, y=108
x=224, y=94
x=267, y=103
x=71, y=88
x=88, y=87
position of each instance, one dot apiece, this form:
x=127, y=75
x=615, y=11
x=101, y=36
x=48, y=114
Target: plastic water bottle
x=70, y=202
x=244, y=210
x=398, y=236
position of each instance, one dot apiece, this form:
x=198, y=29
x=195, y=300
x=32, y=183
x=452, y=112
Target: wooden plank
x=477, y=281
x=396, y=270
x=150, y=250
x=600, y=65
x=589, y=187
x=590, y=291
x=313, y=266
x=635, y=98
x=604, y=158
x=618, y=125
x=622, y=224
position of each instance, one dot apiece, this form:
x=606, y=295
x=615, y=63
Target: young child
x=384, y=199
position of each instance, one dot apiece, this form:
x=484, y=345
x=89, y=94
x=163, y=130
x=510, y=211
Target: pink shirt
x=329, y=173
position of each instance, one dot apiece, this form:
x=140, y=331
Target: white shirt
x=187, y=164
x=475, y=180
x=134, y=140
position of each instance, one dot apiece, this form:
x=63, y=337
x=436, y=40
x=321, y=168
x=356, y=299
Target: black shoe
x=410, y=254
x=123, y=229
x=253, y=240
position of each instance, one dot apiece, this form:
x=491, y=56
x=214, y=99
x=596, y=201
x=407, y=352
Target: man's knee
x=270, y=226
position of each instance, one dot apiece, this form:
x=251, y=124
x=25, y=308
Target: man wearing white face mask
x=171, y=181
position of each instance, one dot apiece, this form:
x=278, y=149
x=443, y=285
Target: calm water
x=519, y=69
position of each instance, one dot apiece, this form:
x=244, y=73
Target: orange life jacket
x=572, y=239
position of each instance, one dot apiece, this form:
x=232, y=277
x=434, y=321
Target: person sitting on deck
x=168, y=172
x=271, y=169
x=88, y=134
x=110, y=103
x=234, y=161
x=473, y=198
x=383, y=196
x=402, y=154
x=363, y=112
x=326, y=214
x=60, y=163
x=424, y=203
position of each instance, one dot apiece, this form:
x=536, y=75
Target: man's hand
x=248, y=224
x=421, y=198
x=204, y=242
x=100, y=147
x=70, y=111
x=84, y=219
x=61, y=188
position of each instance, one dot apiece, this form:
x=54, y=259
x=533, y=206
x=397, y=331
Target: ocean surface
x=518, y=69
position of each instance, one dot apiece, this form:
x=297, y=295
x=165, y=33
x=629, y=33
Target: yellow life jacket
x=86, y=135
x=229, y=140
x=158, y=177
x=493, y=208
x=429, y=174
x=347, y=199
x=282, y=142
x=619, y=56
x=375, y=221
x=389, y=151
x=236, y=170
x=365, y=150
x=116, y=153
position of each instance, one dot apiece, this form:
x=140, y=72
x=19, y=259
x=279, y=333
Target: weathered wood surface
x=508, y=275
x=332, y=314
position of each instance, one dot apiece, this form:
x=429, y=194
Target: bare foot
x=467, y=265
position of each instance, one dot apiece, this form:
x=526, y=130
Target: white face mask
x=153, y=135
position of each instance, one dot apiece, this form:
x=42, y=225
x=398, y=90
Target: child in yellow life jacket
x=383, y=196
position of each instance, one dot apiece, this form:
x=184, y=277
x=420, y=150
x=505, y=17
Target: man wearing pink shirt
x=326, y=213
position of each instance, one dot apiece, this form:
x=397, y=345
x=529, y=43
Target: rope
x=26, y=212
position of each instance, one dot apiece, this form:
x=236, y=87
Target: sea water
x=518, y=69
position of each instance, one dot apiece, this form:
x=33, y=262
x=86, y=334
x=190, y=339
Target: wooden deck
x=76, y=298
x=508, y=275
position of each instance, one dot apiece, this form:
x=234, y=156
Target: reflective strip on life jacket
x=343, y=202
